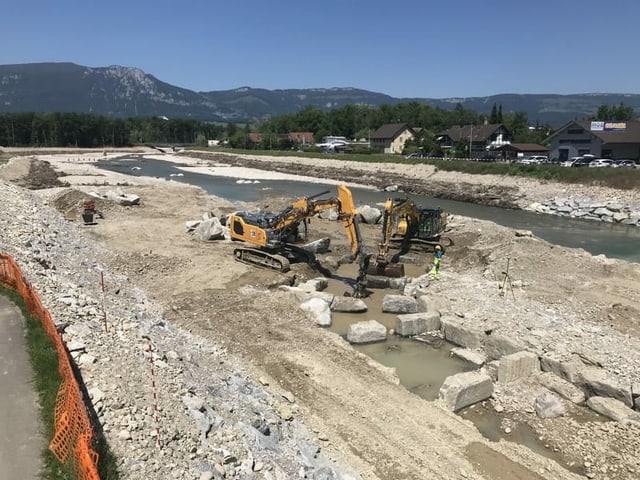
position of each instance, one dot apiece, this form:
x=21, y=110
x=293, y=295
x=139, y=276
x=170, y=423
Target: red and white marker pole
x=155, y=396
x=104, y=310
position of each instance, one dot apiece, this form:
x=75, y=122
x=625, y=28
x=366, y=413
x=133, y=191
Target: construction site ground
x=377, y=426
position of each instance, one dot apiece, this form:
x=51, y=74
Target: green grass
x=621, y=178
x=44, y=362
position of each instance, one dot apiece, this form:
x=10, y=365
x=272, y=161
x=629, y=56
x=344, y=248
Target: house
x=302, y=138
x=256, y=137
x=481, y=138
x=391, y=137
x=601, y=139
x=510, y=151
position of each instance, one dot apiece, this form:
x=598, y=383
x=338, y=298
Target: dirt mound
x=31, y=173
x=71, y=202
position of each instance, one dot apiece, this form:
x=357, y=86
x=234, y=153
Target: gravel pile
x=170, y=404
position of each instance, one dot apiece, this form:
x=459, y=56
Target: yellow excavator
x=272, y=235
x=406, y=223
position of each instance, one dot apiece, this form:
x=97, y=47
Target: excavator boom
x=272, y=235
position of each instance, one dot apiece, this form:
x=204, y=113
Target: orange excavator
x=405, y=223
x=271, y=236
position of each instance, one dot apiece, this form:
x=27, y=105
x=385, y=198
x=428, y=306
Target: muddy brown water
x=422, y=367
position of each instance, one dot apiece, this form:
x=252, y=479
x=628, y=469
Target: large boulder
x=348, y=304
x=368, y=331
x=319, y=311
x=410, y=324
x=399, y=304
x=547, y=405
x=318, y=246
x=210, y=229
x=458, y=333
x=368, y=214
x=613, y=409
x=464, y=389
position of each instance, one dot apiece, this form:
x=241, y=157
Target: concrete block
x=368, y=331
x=399, y=304
x=476, y=359
x=460, y=334
x=565, y=369
x=398, y=283
x=613, y=409
x=563, y=388
x=415, y=323
x=517, y=365
x=596, y=382
x=497, y=346
x=348, y=304
x=464, y=389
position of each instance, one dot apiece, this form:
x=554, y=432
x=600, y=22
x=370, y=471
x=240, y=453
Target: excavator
x=272, y=235
x=403, y=221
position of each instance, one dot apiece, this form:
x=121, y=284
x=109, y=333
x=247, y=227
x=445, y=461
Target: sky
x=406, y=49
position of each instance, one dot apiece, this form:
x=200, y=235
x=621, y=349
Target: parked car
x=533, y=160
x=581, y=161
x=415, y=155
x=601, y=162
x=623, y=163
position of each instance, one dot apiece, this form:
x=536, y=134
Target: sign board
x=608, y=126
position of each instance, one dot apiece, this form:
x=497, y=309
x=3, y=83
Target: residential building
x=302, y=138
x=481, y=138
x=391, y=137
x=601, y=139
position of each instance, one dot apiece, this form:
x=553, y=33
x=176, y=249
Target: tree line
x=83, y=130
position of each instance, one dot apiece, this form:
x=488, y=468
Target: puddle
x=489, y=422
x=421, y=367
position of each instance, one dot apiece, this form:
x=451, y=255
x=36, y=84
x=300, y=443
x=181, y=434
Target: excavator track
x=444, y=242
x=260, y=258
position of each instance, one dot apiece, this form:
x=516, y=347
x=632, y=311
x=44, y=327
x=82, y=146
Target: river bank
x=571, y=200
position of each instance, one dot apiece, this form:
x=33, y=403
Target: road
x=21, y=440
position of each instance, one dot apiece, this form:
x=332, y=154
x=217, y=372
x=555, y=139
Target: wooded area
x=358, y=122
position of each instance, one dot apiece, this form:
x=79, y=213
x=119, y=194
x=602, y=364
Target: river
x=613, y=240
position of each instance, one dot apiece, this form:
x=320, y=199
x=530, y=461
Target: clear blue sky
x=410, y=48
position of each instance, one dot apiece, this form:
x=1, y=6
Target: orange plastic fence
x=73, y=435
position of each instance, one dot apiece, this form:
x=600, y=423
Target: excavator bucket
x=394, y=270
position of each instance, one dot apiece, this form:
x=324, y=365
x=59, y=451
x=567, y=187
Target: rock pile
x=196, y=414
x=589, y=209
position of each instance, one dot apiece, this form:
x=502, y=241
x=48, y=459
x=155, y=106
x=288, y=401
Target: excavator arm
x=268, y=232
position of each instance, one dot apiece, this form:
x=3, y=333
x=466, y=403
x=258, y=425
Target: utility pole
x=471, y=141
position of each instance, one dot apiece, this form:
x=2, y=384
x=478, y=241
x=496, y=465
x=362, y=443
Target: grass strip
x=620, y=178
x=44, y=362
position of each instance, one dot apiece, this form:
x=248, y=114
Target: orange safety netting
x=73, y=432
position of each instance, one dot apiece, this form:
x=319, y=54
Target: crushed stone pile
x=169, y=403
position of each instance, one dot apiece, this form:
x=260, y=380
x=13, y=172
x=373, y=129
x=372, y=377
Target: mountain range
x=127, y=92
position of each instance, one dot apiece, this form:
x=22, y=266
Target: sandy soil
x=383, y=430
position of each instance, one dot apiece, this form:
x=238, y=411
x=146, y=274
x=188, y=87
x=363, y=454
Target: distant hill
x=126, y=92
